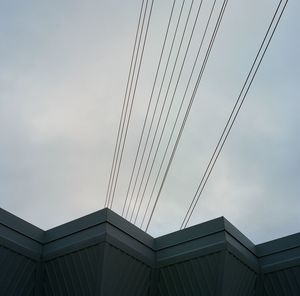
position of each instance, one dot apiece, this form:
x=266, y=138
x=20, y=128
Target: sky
x=63, y=73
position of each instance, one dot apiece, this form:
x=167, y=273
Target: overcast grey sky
x=63, y=71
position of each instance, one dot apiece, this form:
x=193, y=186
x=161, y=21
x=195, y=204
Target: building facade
x=103, y=254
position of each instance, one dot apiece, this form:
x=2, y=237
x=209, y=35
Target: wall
x=103, y=254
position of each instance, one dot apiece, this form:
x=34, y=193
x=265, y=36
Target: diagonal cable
x=178, y=113
x=123, y=106
x=127, y=104
x=155, y=108
x=148, y=108
x=168, y=113
x=190, y=105
x=133, y=97
x=241, y=98
x=162, y=110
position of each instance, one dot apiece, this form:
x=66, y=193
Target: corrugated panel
x=124, y=275
x=239, y=279
x=193, y=277
x=283, y=282
x=91, y=257
x=73, y=274
x=17, y=275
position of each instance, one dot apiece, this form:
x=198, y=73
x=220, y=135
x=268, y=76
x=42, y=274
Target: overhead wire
x=154, y=112
x=162, y=110
x=127, y=96
x=235, y=111
x=168, y=112
x=148, y=108
x=131, y=105
x=178, y=114
x=189, y=106
x=123, y=105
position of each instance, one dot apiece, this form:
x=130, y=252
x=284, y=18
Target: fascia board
x=239, y=236
x=130, y=229
x=21, y=226
x=130, y=245
x=78, y=225
x=187, y=250
x=278, y=245
x=240, y=251
x=281, y=260
x=189, y=234
x=19, y=243
x=75, y=241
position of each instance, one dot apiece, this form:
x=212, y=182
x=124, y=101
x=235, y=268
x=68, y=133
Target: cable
x=161, y=112
x=237, y=104
x=190, y=104
x=124, y=102
x=168, y=113
x=126, y=107
x=155, y=108
x=139, y=67
x=226, y=133
x=149, y=104
x=178, y=113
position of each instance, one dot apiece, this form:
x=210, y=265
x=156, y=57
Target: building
x=103, y=254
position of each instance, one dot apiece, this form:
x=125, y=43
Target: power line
x=190, y=105
x=128, y=88
x=149, y=104
x=155, y=108
x=169, y=109
x=161, y=112
x=178, y=113
x=133, y=97
x=123, y=106
x=237, y=107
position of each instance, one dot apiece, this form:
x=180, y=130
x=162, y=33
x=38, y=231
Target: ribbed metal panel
x=102, y=254
x=239, y=279
x=283, y=282
x=73, y=274
x=193, y=277
x=124, y=275
x=18, y=274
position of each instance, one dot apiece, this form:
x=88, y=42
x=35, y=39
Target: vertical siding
x=239, y=279
x=88, y=257
x=73, y=274
x=284, y=282
x=193, y=277
x=124, y=275
x=17, y=274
